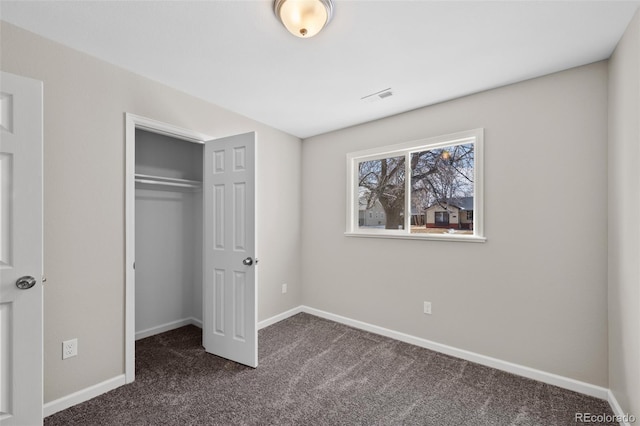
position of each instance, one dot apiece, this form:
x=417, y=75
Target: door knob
x=25, y=283
x=248, y=261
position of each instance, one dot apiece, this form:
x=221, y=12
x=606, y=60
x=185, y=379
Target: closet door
x=230, y=304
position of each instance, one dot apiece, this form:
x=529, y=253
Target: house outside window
x=460, y=211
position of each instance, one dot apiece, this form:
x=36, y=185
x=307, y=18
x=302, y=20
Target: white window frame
x=475, y=136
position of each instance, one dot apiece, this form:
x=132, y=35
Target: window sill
x=435, y=237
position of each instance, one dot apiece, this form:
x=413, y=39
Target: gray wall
x=84, y=104
x=168, y=257
x=535, y=293
x=624, y=223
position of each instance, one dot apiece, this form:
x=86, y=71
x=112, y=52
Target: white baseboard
x=168, y=327
x=520, y=370
x=277, y=318
x=626, y=419
x=82, y=395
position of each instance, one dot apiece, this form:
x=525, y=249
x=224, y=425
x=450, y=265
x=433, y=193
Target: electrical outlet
x=427, y=308
x=69, y=348
x=284, y=288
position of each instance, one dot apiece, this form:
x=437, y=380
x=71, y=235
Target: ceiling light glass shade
x=304, y=18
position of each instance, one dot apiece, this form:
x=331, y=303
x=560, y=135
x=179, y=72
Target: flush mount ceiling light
x=304, y=18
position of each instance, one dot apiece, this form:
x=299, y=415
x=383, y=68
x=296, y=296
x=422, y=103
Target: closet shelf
x=173, y=183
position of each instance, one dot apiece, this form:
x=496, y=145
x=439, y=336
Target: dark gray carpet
x=317, y=372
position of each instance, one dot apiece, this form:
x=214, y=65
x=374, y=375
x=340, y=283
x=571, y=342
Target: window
x=442, y=218
x=427, y=189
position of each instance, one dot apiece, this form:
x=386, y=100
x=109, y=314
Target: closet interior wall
x=168, y=233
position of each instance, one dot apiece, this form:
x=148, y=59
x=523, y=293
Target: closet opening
x=164, y=270
x=168, y=233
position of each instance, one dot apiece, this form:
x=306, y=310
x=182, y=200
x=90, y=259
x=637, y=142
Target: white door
x=20, y=250
x=230, y=304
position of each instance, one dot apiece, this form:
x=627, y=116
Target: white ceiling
x=237, y=55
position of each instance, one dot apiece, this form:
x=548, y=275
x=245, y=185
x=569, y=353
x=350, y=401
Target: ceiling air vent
x=374, y=97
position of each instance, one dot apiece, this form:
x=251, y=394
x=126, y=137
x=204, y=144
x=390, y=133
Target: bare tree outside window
x=383, y=181
x=442, y=182
x=441, y=174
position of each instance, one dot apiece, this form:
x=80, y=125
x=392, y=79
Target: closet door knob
x=248, y=261
x=25, y=283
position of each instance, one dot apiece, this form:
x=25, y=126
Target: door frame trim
x=133, y=122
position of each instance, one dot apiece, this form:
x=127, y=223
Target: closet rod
x=165, y=181
x=155, y=182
